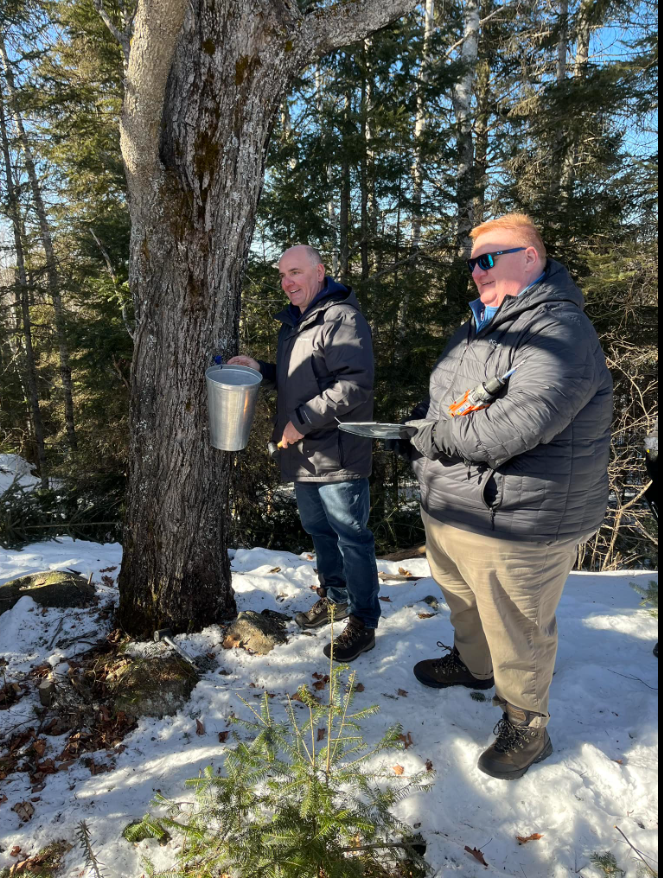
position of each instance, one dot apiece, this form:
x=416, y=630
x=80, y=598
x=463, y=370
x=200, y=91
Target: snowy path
x=604, y=726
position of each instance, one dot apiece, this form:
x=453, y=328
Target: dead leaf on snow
x=426, y=615
x=399, y=770
x=15, y=851
x=406, y=740
x=387, y=600
x=200, y=727
x=360, y=687
x=404, y=572
x=223, y=737
x=478, y=855
x=232, y=641
x=24, y=810
x=3, y=798
x=521, y=839
x=322, y=734
x=275, y=570
x=319, y=686
x=429, y=765
x=402, y=693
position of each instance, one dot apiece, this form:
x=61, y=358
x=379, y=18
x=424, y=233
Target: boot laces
x=350, y=633
x=509, y=736
x=449, y=663
x=318, y=607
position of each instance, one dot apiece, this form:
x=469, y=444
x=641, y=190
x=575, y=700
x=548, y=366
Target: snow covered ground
x=604, y=726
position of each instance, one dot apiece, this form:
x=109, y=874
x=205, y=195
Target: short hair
x=521, y=225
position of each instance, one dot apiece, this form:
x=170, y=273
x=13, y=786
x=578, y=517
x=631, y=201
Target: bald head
x=302, y=275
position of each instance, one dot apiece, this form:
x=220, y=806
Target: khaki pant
x=503, y=597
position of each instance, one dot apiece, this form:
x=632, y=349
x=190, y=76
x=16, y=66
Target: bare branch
x=349, y=21
x=156, y=28
x=123, y=37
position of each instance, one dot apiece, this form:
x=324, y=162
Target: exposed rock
x=53, y=588
x=158, y=686
x=259, y=632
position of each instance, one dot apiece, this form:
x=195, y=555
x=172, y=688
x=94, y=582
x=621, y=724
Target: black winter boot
x=518, y=747
x=356, y=638
x=448, y=671
x=320, y=614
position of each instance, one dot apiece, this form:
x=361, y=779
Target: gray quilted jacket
x=324, y=370
x=534, y=465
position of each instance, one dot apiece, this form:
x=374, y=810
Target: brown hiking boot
x=320, y=614
x=356, y=638
x=518, y=747
x=450, y=670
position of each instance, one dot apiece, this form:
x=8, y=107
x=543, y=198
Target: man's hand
x=244, y=361
x=291, y=435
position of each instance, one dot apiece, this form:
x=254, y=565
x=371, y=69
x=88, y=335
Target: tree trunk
x=420, y=124
x=51, y=264
x=204, y=81
x=22, y=304
x=462, y=101
x=346, y=195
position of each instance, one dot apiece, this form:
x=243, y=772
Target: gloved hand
x=400, y=447
x=424, y=439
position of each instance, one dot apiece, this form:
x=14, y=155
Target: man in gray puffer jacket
x=508, y=492
x=324, y=373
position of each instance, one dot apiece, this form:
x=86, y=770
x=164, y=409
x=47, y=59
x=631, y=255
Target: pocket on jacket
x=493, y=490
x=323, y=450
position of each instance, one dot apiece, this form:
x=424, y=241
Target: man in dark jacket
x=323, y=374
x=509, y=491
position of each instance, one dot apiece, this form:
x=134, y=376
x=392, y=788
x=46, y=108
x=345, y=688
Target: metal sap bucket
x=232, y=392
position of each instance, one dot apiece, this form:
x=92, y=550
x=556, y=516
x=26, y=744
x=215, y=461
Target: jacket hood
x=332, y=294
x=556, y=286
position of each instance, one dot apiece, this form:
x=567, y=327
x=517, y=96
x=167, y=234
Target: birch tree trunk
x=462, y=100
x=22, y=307
x=52, y=273
x=204, y=82
x=420, y=124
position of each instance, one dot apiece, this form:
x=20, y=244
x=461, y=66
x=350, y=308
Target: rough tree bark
x=52, y=273
x=420, y=123
x=22, y=306
x=204, y=82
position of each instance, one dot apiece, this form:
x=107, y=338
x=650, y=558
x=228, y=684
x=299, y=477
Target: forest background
x=384, y=156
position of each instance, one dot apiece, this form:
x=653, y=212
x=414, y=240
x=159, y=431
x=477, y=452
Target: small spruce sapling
x=649, y=595
x=607, y=863
x=299, y=801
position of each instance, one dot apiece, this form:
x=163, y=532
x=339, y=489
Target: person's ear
x=321, y=272
x=531, y=255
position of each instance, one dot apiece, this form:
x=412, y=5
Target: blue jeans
x=336, y=516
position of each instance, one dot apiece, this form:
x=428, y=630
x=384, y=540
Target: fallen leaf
x=24, y=810
x=232, y=641
x=107, y=569
x=429, y=765
x=386, y=600
x=311, y=557
x=275, y=570
x=406, y=740
x=524, y=839
x=322, y=734
x=15, y=851
x=200, y=727
x=618, y=761
x=402, y=693
x=39, y=747
x=3, y=798
x=223, y=737
x=478, y=855
x=426, y=615
x=404, y=572
x=399, y=770
x=360, y=687
x=319, y=686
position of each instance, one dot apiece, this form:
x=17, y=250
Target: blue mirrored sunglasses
x=487, y=260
